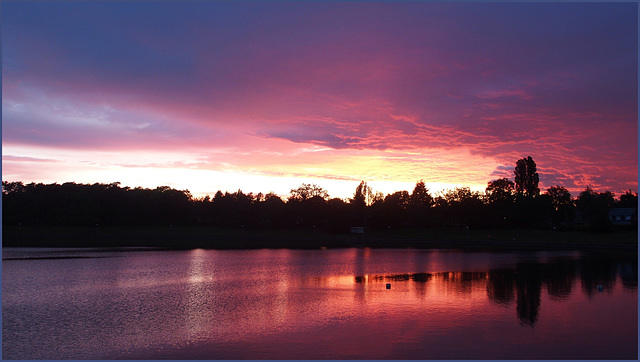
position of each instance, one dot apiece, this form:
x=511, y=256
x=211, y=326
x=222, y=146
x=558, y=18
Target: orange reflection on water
x=377, y=293
x=346, y=298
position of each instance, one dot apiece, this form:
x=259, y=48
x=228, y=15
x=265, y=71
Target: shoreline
x=211, y=238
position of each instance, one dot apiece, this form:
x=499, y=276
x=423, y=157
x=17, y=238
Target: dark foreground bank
x=216, y=238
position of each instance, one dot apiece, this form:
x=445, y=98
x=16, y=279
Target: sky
x=265, y=96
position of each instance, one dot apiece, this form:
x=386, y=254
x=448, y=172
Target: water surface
x=324, y=304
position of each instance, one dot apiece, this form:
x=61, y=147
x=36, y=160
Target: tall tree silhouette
x=420, y=203
x=363, y=195
x=421, y=196
x=527, y=178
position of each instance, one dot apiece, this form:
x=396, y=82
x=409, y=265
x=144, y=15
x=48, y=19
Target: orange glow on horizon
x=338, y=171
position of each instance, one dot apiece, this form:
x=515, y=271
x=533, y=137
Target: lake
x=354, y=303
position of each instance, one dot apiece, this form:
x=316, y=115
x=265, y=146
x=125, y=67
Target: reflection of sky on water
x=196, y=297
x=520, y=284
x=331, y=304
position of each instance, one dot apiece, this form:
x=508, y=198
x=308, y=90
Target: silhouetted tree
x=531, y=212
x=243, y=211
x=595, y=208
x=398, y=198
x=420, y=196
x=420, y=203
x=392, y=212
x=203, y=210
x=628, y=199
x=307, y=191
x=362, y=197
x=338, y=217
x=560, y=196
x=9, y=187
x=72, y=204
x=499, y=197
x=500, y=191
x=110, y=204
x=309, y=212
x=463, y=207
x=562, y=205
x=526, y=177
x=272, y=211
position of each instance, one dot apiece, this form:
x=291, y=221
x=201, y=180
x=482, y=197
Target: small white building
x=357, y=230
x=622, y=215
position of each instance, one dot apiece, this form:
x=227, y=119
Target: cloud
x=248, y=83
x=10, y=158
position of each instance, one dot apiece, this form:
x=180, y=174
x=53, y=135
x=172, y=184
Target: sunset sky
x=263, y=96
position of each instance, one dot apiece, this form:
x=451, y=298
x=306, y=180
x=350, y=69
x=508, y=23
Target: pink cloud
x=492, y=94
x=343, y=77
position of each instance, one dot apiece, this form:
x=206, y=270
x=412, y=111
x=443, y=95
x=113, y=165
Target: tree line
x=503, y=204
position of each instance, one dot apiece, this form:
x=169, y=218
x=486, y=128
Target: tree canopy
x=504, y=204
x=500, y=191
x=526, y=177
x=420, y=195
x=307, y=191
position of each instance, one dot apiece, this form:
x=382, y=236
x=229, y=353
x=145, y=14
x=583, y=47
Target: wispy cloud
x=11, y=158
x=256, y=86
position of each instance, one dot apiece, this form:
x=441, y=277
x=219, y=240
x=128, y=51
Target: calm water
x=325, y=304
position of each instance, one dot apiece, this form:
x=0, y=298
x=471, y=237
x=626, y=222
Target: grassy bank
x=230, y=238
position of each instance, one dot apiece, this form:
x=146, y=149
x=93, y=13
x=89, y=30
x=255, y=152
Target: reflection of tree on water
x=629, y=274
x=462, y=282
x=361, y=256
x=526, y=280
x=597, y=271
x=559, y=276
x=500, y=286
x=529, y=287
x=416, y=277
x=525, y=283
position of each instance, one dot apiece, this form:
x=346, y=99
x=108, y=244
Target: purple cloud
x=557, y=81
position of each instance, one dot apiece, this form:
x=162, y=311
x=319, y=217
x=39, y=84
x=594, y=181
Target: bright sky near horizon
x=264, y=96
